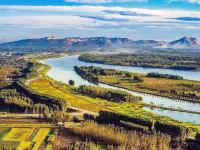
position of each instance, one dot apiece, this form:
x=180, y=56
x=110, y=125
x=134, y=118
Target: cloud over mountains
x=104, y=20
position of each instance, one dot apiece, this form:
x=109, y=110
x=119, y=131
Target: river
x=62, y=69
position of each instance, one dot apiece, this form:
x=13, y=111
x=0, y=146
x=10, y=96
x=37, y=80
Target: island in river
x=165, y=85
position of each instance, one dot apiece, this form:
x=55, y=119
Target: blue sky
x=136, y=19
x=173, y=4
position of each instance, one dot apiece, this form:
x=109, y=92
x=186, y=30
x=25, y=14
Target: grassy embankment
x=46, y=85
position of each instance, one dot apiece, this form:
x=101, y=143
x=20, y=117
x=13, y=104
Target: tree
x=59, y=116
x=197, y=137
x=129, y=75
x=71, y=82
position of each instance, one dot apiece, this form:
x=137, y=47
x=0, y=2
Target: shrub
x=71, y=82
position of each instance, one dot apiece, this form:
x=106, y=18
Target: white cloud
x=93, y=10
x=50, y=21
x=194, y=1
x=189, y=1
x=69, y=18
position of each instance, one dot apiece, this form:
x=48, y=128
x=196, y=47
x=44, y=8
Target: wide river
x=62, y=69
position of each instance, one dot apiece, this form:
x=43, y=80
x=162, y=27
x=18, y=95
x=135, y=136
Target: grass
x=31, y=125
x=9, y=145
x=24, y=137
x=18, y=134
x=49, y=147
x=24, y=145
x=4, y=131
x=37, y=145
x=157, y=86
x=51, y=138
x=40, y=137
x=44, y=86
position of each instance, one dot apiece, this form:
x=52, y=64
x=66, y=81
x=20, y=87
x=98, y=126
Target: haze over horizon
x=135, y=19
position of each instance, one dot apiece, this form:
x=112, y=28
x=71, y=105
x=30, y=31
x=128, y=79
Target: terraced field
x=26, y=138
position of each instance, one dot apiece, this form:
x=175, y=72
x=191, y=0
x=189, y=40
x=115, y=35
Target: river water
x=62, y=69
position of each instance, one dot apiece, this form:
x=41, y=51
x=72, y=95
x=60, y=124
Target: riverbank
x=49, y=86
x=178, y=89
x=64, y=91
x=171, y=109
x=150, y=93
x=144, y=60
x=149, y=105
x=70, y=61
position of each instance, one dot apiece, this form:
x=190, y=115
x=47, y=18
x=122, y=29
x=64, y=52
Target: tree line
x=166, y=76
x=18, y=98
x=175, y=131
x=120, y=138
x=86, y=75
x=52, y=102
x=175, y=61
x=108, y=94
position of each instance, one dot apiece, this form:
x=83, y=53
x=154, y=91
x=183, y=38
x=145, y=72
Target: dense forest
x=146, y=60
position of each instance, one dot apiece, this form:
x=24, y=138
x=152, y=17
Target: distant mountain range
x=99, y=43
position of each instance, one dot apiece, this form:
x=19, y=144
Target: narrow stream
x=63, y=70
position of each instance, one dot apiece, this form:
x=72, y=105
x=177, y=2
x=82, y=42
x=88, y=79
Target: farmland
x=26, y=137
x=41, y=127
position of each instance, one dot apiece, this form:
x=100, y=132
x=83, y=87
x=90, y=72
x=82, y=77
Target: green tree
x=59, y=116
x=71, y=82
